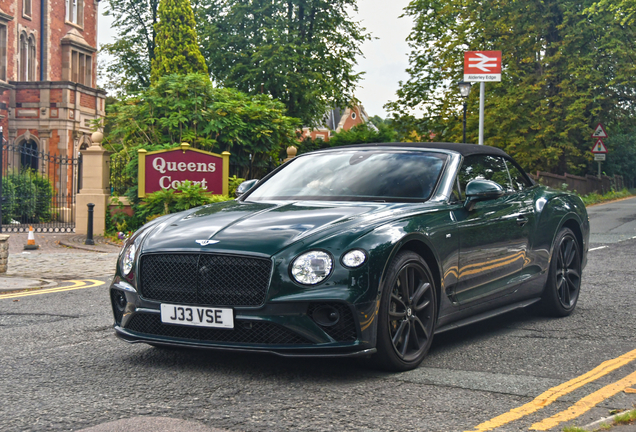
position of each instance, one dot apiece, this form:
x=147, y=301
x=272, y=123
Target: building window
x=81, y=68
x=75, y=12
x=26, y=8
x=3, y=52
x=22, y=59
x=31, y=61
x=26, y=60
x=29, y=155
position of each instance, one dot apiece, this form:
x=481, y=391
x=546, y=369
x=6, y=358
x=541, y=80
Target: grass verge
x=628, y=417
x=595, y=198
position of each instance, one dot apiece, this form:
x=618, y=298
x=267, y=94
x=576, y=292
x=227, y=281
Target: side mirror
x=245, y=186
x=481, y=190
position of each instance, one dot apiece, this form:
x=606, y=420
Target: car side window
x=519, y=181
x=484, y=167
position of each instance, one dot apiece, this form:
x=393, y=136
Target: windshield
x=368, y=175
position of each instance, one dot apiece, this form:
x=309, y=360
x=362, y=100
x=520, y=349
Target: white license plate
x=197, y=316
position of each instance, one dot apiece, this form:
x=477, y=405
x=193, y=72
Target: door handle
x=522, y=220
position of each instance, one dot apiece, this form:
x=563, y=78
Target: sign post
x=599, y=149
x=482, y=66
x=168, y=169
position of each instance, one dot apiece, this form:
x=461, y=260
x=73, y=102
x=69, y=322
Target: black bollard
x=89, y=229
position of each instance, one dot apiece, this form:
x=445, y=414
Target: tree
x=302, y=52
x=621, y=159
x=625, y=10
x=563, y=72
x=128, y=70
x=176, y=48
x=359, y=134
x=187, y=108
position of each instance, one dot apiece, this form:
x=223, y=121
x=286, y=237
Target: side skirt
x=485, y=315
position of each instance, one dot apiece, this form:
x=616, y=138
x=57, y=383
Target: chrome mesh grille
x=205, y=279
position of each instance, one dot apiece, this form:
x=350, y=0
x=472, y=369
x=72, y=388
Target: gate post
x=95, y=186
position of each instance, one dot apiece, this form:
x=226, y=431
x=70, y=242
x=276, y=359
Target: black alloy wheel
x=568, y=273
x=407, y=315
x=564, y=278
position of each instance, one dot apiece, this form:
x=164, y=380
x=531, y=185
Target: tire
x=407, y=315
x=562, y=288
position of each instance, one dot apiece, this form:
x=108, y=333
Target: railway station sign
x=482, y=66
x=168, y=169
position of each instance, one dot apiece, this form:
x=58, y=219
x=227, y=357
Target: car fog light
x=128, y=259
x=312, y=267
x=354, y=258
x=120, y=300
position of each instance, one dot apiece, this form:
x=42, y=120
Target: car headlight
x=354, y=258
x=128, y=259
x=312, y=267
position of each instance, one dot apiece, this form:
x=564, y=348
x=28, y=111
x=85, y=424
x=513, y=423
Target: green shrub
x=44, y=197
x=233, y=183
x=8, y=193
x=28, y=198
x=166, y=201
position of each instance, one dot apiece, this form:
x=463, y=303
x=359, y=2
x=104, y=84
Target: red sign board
x=482, y=66
x=168, y=169
x=599, y=147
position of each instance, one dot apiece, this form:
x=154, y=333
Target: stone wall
x=4, y=252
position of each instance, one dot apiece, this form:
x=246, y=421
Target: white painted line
x=600, y=247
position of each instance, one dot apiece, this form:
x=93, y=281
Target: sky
x=385, y=59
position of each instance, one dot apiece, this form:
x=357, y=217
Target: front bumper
x=281, y=328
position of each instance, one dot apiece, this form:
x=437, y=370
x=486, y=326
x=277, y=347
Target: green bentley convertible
x=365, y=250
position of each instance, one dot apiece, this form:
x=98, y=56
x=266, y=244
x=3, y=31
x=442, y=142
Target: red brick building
x=337, y=120
x=48, y=94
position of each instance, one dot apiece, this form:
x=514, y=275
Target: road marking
x=585, y=404
x=549, y=396
x=76, y=284
x=597, y=248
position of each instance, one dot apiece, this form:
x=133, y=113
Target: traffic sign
x=482, y=66
x=599, y=132
x=599, y=147
x=599, y=156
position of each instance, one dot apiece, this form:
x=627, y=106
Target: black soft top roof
x=464, y=149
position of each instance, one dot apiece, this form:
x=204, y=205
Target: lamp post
x=464, y=89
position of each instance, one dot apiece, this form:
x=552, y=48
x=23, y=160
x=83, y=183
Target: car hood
x=263, y=227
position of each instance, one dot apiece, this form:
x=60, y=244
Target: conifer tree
x=176, y=48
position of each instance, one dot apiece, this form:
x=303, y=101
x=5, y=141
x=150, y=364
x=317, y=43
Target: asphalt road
x=61, y=368
x=611, y=223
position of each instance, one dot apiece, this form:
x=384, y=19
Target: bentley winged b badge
x=206, y=242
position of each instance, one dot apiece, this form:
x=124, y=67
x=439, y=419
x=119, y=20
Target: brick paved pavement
x=54, y=260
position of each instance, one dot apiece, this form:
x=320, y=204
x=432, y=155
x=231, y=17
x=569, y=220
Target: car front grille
x=205, y=279
x=256, y=332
